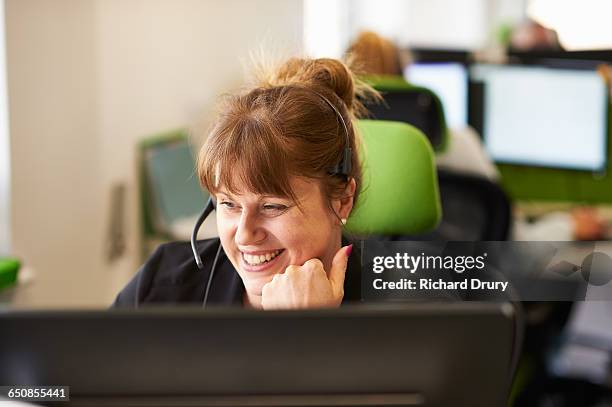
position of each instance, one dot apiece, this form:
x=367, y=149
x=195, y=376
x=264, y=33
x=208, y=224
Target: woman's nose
x=249, y=230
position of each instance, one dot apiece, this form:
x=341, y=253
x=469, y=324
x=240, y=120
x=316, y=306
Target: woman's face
x=263, y=235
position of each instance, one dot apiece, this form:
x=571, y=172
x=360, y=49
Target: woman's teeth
x=255, y=260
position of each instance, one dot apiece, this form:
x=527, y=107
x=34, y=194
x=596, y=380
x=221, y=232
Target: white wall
x=326, y=27
x=87, y=79
x=5, y=158
x=463, y=24
x=432, y=23
x=583, y=25
x=57, y=198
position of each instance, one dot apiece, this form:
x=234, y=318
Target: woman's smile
x=257, y=261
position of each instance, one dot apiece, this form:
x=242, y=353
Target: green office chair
x=399, y=194
x=410, y=104
x=170, y=190
x=9, y=268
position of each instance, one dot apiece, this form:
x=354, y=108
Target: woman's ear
x=344, y=205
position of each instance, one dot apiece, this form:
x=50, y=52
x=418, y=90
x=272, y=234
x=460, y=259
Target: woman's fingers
x=308, y=285
x=338, y=269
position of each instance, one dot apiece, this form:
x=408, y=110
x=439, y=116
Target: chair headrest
x=399, y=194
x=405, y=102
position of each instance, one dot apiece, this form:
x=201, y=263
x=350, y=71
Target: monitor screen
x=544, y=116
x=449, y=81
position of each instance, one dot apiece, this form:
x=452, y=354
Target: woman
x=281, y=162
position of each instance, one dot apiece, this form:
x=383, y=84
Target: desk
x=529, y=209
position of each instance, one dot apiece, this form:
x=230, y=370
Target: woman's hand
x=308, y=285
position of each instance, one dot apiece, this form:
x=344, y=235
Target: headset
x=343, y=168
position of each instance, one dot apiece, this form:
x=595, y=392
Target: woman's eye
x=227, y=205
x=275, y=207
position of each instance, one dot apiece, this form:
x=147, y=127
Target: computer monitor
x=420, y=354
x=450, y=82
x=540, y=116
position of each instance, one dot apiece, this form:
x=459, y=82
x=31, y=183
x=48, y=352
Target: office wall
x=5, y=159
x=56, y=194
x=465, y=24
x=87, y=80
x=330, y=25
x=409, y=22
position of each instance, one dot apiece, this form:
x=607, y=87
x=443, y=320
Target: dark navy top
x=171, y=276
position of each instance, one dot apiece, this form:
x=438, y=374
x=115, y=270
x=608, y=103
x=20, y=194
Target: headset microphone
x=210, y=206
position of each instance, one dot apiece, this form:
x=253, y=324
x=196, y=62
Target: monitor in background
x=417, y=354
x=462, y=56
x=590, y=58
x=450, y=82
x=543, y=116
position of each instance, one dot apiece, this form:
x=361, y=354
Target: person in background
x=532, y=36
x=373, y=54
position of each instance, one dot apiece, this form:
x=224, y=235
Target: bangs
x=251, y=156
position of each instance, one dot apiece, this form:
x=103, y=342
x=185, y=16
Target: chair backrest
x=474, y=209
x=170, y=187
x=399, y=192
x=410, y=104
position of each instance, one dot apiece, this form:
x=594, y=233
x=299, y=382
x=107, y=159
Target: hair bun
x=328, y=73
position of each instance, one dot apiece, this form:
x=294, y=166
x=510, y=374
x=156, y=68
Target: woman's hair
x=284, y=127
x=375, y=55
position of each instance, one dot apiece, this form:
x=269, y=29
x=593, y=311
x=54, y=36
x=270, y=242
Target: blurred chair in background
x=473, y=208
x=410, y=104
x=171, y=196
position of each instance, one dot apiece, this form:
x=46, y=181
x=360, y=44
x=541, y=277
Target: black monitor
x=541, y=116
x=456, y=354
x=557, y=57
x=429, y=55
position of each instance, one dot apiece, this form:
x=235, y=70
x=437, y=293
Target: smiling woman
x=282, y=163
